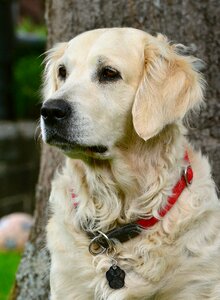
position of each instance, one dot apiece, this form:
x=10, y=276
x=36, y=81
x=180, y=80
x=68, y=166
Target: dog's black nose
x=55, y=110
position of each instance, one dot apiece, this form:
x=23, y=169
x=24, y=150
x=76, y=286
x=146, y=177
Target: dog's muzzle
x=56, y=115
x=60, y=126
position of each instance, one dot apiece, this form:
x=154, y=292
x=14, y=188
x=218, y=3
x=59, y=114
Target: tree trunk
x=32, y=279
x=194, y=23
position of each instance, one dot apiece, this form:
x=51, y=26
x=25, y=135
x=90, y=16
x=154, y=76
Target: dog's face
x=105, y=81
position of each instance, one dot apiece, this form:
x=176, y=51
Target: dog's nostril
x=59, y=114
x=55, y=110
x=44, y=112
x=52, y=113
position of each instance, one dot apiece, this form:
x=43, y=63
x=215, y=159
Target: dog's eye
x=109, y=74
x=62, y=72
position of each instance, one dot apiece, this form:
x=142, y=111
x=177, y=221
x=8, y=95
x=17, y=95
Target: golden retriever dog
x=134, y=211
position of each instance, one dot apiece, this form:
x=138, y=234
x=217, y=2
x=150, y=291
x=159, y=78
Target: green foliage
x=27, y=25
x=27, y=69
x=8, y=265
x=26, y=89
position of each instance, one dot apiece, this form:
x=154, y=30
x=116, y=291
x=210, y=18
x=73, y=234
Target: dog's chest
x=143, y=259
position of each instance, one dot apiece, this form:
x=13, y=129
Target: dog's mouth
x=67, y=146
x=73, y=150
x=97, y=149
x=71, y=147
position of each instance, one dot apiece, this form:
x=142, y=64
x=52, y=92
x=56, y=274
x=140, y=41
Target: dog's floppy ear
x=50, y=78
x=170, y=87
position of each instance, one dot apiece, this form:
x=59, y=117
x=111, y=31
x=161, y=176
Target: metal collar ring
x=95, y=246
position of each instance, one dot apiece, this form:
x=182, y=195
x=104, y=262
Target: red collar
x=185, y=180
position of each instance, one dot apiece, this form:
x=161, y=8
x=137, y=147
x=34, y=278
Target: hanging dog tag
x=115, y=277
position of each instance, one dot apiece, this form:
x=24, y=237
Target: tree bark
x=194, y=23
x=32, y=279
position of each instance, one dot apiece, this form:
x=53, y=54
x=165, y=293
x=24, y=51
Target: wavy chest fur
x=188, y=235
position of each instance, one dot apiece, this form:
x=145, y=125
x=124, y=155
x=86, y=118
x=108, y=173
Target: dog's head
x=107, y=80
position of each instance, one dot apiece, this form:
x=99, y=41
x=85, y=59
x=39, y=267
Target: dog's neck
x=136, y=182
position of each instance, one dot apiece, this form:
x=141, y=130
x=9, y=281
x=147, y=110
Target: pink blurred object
x=14, y=231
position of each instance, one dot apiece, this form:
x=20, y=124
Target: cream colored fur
x=140, y=120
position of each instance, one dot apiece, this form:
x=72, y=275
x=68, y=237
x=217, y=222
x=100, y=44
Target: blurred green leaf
x=26, y=89
x=8, y=266
x=27, y=25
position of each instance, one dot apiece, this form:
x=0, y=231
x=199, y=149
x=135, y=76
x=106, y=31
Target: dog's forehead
x=114, y=42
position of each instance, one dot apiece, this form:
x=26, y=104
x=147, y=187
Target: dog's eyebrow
x=101, y=60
